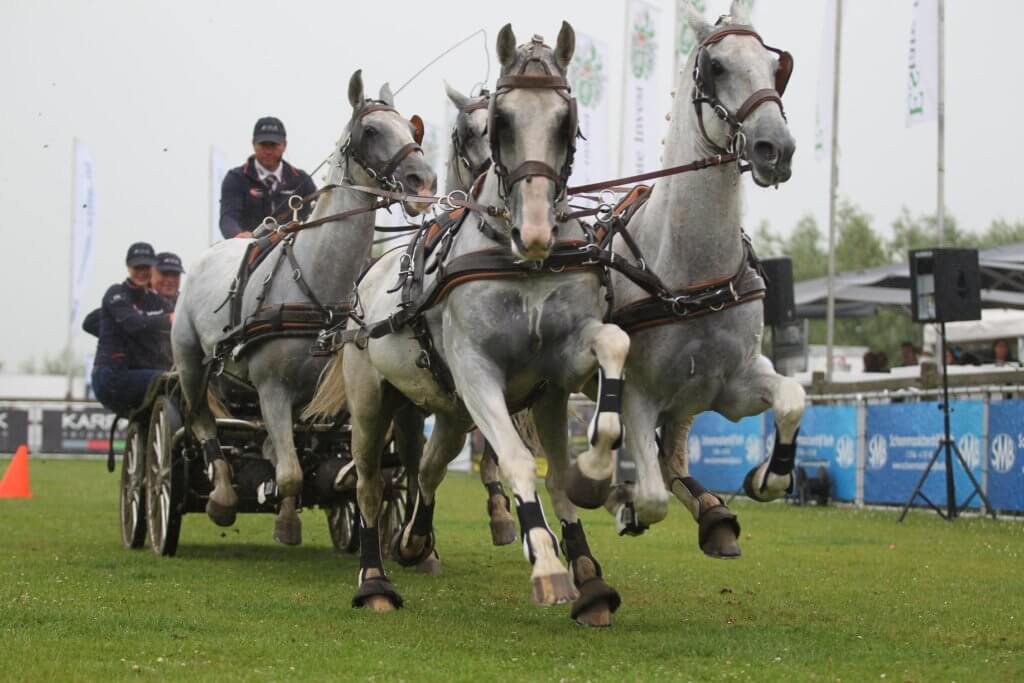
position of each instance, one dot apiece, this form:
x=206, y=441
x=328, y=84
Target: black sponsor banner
x=84, y=429
x=13, y=429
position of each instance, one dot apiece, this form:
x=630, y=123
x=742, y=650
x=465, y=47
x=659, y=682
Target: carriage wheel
x=392, y=514
x=133, y=493
x=165, y=479
x=343, y=522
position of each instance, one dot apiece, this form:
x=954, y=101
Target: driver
x=134, y=324
x=262, y=185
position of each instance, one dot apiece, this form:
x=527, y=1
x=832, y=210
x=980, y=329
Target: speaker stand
x=949, y=447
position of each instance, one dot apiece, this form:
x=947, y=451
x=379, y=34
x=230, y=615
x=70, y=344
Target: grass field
x=820, y=594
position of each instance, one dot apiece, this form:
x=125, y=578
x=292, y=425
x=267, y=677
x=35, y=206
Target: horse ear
x=418, y=128
x=740, y=12
x=355, y=89
x=457, y=98
x=566, y=45
x=506, y=45
x=701, y=28
x=386, y=96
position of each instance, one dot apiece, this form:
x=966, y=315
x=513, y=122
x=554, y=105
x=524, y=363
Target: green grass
x=820, y=594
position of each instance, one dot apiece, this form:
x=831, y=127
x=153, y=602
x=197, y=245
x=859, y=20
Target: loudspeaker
x=945, y=285
x=779, y=308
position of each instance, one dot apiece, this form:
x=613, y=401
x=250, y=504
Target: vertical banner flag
x=923, y=65
x=218, y=169
x=685, y=38
x=588, y=76
x=83, y=226
x=639, y=93
x=826, y=85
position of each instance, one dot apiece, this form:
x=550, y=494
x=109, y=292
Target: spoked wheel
x=133, y=494
x=343, y=522
x=165, y=478
x=392, y=514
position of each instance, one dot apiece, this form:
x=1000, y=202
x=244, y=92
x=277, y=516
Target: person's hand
x=245, y=234
x=172, y=316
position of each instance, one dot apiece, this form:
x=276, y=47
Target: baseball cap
x=140, y=254
x=167, y=262
x=268, y=129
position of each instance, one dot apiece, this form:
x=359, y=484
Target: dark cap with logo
x=268, y=129
x=140, y=254
x=167, y=262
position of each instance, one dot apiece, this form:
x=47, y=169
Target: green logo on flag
x=587, y=76
x=642, y=47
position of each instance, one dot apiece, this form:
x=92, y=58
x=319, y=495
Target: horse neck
x=695, y=217
x=332, y=255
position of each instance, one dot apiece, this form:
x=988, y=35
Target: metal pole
x=71, y=268
x=834, y=189
x=941, y=211
x=948, y=439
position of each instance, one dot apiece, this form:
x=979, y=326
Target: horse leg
x=276, y=406
x=287, y=524
x=499, y=508
x=416, y=542
x=754, y=391
x=597, y=600
x=222, y=503
x=484, y=398
x=717, y=527
x=408, y=425
x=372, y=410
x=646, y=501
x=589, y=479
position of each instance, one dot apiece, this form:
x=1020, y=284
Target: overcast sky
x=149, y=86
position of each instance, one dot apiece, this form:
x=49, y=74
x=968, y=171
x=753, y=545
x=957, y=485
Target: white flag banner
x=218, y=169
x=826, y=85
x=923, y=65
x=588, y=76
x=639, y=96
x=83, y=227
x=685, y=38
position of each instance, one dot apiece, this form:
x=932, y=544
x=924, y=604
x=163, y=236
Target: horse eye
x=369, y=131
x=716, y=67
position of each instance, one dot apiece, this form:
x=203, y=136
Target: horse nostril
x=413, y=181
x=766, y=152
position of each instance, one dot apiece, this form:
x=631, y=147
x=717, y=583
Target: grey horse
x=329, y=258
x=501, y=339
x=689, y=231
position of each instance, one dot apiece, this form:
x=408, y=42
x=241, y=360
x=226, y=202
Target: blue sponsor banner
x=1006, y=455
x=828, y=436
x=901, y=439
x=721, y=452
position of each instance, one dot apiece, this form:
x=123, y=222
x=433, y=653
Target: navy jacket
x=135, y=326
x=245, y=202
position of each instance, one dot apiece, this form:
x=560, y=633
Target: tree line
x=860, y=246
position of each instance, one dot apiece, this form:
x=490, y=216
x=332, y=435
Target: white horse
x=378, y=147
x=689, y=232
x=501, y=339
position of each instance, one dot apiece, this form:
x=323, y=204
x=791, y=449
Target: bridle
x=531, y=168
x=459, y=145
x=353, y=148
x=704, y=91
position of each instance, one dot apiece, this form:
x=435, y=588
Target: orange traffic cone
x=15, y=481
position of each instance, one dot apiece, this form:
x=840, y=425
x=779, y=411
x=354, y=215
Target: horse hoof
x=288, y=531
x=378, y=594
x=586, y=492
x=554, y=589
x=597, y=616
x=767, y=493
x=718, y=533
x=430, y=566
x=221, y=515
x=400, y=554
x=503, y=531
x=379, y=603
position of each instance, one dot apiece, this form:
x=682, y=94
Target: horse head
x=532, y=128
x=382, y=147
x=736, y=87
x=471, y=152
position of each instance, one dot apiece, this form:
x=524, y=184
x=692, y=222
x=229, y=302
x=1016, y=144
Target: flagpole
x=625, y=81
x=941, y=193
x=71, y=267
x=833, y=191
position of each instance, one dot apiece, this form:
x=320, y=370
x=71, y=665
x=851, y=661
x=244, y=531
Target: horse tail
x=329, y=398
x=527, y=429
